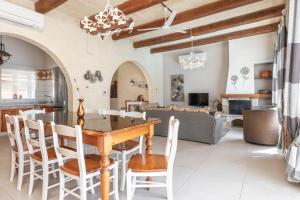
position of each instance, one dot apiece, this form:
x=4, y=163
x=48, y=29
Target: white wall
x=75, y=52
x=246, y=52
x=126, y=72
x=211, y=79
x=25, y=55
x=49, y=62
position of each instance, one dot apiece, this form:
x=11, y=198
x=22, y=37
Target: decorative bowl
x=265, y=74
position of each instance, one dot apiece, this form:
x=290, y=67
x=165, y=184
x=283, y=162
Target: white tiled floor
x=230, y=170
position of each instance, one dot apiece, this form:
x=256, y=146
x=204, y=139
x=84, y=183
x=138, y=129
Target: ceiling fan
x=168, y=22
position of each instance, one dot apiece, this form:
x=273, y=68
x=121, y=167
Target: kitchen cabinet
x=15, y=111
x=48, y=108
x=9, y=111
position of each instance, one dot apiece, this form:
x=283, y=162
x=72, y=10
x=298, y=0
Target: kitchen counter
x=29, y=106
x=49, y=104
x=13, y=109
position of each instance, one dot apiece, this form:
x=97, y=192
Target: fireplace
x=236, y=106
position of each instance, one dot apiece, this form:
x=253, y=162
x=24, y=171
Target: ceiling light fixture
x=193, y=60
x=4, y=56
x=108, y=22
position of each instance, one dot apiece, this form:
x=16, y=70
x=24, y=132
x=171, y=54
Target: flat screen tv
x=198, y=99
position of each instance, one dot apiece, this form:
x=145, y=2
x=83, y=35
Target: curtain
x=286, y=86
x=279, y=73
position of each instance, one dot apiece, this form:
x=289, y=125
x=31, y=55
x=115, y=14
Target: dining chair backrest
x=13, y=131
x=169, y=136
x=34, y=144
x=138, y=115
x=141, y=115
x=109, y=112
x=25, y=113
x=62, y=152
x=171, y=144
x=90, y=111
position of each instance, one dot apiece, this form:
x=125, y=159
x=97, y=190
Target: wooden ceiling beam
x=213, y=27
x=132, y=6
x=44, y=6
x=189, y=15
x=219, y=38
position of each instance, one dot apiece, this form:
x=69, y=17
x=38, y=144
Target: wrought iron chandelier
x=110, y=21
x=4, y=56
x=193, y=60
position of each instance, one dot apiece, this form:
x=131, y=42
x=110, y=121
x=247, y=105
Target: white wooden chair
x=154, y=165
x=79, y=167
x=19, y=149
x=41, y=156
x=25, y=113
x=110, y=112
x=141, y=115
x=129, y=147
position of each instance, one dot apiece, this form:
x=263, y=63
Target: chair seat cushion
x=38, y=155
x=148, y=163
x=92, y=164
x=126, y=146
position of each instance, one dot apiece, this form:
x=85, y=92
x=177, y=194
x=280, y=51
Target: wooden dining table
x=103, y=132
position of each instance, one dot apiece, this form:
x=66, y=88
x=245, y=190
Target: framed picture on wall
x=177, y=88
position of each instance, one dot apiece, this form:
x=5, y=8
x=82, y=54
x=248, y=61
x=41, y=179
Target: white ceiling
x=80, y=8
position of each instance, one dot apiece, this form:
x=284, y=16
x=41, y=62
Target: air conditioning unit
x=12, y=13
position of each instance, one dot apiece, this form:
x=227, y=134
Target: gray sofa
x=194, y=126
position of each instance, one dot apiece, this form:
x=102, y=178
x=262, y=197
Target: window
x=17, y=82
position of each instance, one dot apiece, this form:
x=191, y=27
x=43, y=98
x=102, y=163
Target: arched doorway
x=129, y=84
x=53, y=57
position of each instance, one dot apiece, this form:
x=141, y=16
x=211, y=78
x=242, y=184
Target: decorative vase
x=80, y=122
x=80, y=110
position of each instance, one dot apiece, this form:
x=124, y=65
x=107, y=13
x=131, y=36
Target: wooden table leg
x=149, y=146
x=149, y=139
x=105, y=174
x=104, y=145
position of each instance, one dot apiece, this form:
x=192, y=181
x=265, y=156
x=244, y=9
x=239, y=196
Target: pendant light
x=4, y=56
x=193, y=60
x=110, y=21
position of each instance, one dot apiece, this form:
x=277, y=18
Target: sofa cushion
x=148, y=106
x=194, y=126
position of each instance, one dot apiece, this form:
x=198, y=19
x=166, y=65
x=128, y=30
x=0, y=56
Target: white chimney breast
x=246, y=52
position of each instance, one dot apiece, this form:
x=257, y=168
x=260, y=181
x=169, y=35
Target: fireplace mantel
x=250, y=96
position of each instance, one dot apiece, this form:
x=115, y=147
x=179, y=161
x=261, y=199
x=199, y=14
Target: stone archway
x=148, y=93
x=55, y=59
